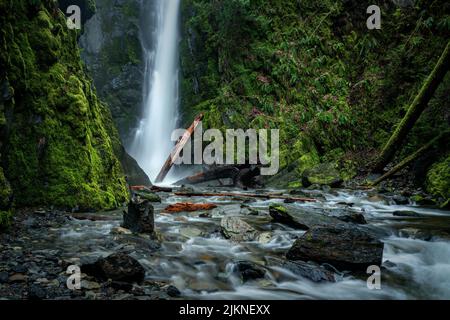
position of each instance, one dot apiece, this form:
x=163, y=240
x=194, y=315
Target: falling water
x=152, y=142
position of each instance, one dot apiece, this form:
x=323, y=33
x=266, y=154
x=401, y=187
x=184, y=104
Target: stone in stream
x=139, y=218
x=344, y=247
x=307, y=270
x=299, y=218
x=249, y=270
x=236, y=229
x=346, y=215
x=407, y=213
x=117, y=267
x=149, y=196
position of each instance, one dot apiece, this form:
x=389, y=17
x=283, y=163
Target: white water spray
x=152, y=142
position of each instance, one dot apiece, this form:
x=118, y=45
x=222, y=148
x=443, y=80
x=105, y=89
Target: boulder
x=307, y=270
x=346, y=215
x=407, y=213
x=236, y=229
x=299, y=218
x=147, y=195
x=139, y=218
x=344, y=247
x=249, y=270
x=323, y=174
x=117, y=267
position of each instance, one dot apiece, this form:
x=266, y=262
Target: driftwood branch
x=175, y=154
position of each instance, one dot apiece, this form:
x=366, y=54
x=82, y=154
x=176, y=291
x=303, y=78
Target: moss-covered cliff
x=57, y=137
x=335, y=89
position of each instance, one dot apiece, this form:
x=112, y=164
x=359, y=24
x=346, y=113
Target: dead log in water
x=175, y=154
x=244, y=195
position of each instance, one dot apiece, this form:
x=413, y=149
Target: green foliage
x=59, y=149
x=438, y=180
x=312, y=68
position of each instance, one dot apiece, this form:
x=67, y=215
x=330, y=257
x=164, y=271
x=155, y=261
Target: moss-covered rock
x=323, y=174
x=57, y=144
x=438, y=181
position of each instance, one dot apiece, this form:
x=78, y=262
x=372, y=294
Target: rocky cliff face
x=58, y=141
x=112, y=51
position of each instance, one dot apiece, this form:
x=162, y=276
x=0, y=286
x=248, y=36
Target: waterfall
x=152, y=142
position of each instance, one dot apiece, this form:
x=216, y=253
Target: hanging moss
x=58, y=149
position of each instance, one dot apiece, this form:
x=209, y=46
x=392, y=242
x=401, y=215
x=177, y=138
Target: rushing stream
x=198, y=260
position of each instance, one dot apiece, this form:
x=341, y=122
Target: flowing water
x=152, y=143
x=198, y=260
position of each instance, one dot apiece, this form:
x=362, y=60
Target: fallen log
x=175, y=154
x=189, y=207
x=214, y=174
x=411, y=158
x=244, y=195
x=150, y=189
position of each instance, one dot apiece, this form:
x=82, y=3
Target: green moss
x=312, y=69
x=438, y=180
x=60, y=145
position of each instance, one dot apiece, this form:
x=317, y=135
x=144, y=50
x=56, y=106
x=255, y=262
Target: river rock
x=407, y=213
x=120, y=230
x=236, y=229
x=323, y=174
x=346, y=215
x=249, y=270
x=299, y=218
x=149, y=196
x=139, y=218
x=344, y=247
x=401, y=200
x=117, y=267
x=307, y=270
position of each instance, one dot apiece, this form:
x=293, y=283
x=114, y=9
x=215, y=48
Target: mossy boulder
x=323, y=174
x=438, y=181
x=58, y=147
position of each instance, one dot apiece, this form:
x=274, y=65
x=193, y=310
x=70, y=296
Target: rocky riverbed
x=241, y=248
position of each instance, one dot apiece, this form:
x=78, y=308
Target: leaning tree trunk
x=415, y=110
x=439, y=139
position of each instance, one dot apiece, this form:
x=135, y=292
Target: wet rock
x=347, y=216
x=173, y=291
x=299, y=218
x=120, y=230
x=344, y=247
x=36, y=292
x=20, y=269
x=236, y=229
x=323, y=174
x=377, y=198
x=120, y=285
x=249, y=270
x=407, y=213
x=90, y=285
x=401, y=200
x=4, y=277
x=191, y=232
x=18, y=277
x=139, y=218
x=117, y=267
x=146, y=195
x=306, y=270
x=264, y=237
